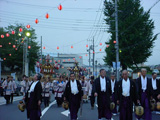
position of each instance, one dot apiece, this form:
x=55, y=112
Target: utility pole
x=96, y=69
x=0, y=63
x=26, y=58
x=117, y=43
x=93, y=55
x=23, y=71
x=0, y=66
x=89, y=60
x=41, y=49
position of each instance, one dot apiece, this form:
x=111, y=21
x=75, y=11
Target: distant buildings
x=68, y=60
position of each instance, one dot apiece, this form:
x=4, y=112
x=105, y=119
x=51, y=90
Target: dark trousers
x=114, y=100
x=59, y=101
x=46, y=101
x=33, y=114
x=74, y=106
x=7, y=97
x=126, y=109
x=92, y=100
x=11, y=97
x=145, y=104
x=103, y=109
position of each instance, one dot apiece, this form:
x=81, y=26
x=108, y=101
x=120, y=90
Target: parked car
x=156, y=71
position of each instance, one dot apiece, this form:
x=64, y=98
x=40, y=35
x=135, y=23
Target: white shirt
x=74, y=88
x=126, y=87
x=33, y=86
x=112, y=85
x=144, y=83
x=154, y=84
x=103, y=84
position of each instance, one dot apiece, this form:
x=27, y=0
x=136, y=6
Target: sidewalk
x=15, y=98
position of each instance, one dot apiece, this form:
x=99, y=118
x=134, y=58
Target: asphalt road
x=11, y=112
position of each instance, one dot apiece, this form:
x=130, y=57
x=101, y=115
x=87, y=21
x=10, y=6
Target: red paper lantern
x=107, y=46
x=28, y=26
x=100, y=49
x=114, y=42
x=57, y=48
x=63, y=60
x=86, y=45
x=9, y=43
x=80, y=57
x=100, y=43
x=59, y=61
x=16, y=49
x=86, y=55
x=44, y=47
x=0, y=46
x=68, y=59
x=60, y=7
x=93, y=52
x=2, y=36
x=29, y=47
x=13, y=32
x=47, y=15
x=20, y=29
x=10, y=54
x=74, y=59
x=36, y=21
x=4, y=58
x=14, y=46
x=71, y=46
x=7, y=34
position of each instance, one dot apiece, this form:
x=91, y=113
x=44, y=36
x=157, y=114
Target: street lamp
x=28, y=34
x=26, y=61
x=19, y=34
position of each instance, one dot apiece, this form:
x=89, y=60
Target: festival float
x=47, y=69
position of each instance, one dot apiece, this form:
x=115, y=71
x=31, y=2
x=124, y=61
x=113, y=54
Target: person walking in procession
x=73, y=94
x=102, y=90
x=33, y=99
x=7, y=86
x=144, y=94
x=126, y=95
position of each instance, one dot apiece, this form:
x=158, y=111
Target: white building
x=68, y=60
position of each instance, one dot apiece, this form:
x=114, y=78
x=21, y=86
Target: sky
x=77, y=24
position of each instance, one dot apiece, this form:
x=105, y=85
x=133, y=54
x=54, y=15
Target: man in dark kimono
x=113, y=89
x=155, y=87
x=125, y=96
x=102, y=90
x=144, y=94
x=73, y=94
x=33, y=99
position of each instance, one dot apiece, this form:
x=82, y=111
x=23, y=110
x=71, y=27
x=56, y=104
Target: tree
x=136, y=38
x=15, y=61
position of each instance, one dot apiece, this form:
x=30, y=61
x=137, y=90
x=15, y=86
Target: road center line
x=46, y=109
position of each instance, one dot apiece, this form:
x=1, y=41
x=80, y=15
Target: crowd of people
x=124, y=93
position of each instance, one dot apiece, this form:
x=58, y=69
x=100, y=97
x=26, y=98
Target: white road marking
x=96, y=105
x=46, y=109
x=66, y=113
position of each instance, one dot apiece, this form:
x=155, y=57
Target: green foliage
x=15, y=61
x=136, y=38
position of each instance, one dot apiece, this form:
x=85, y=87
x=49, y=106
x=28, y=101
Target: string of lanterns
x=37, y=21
